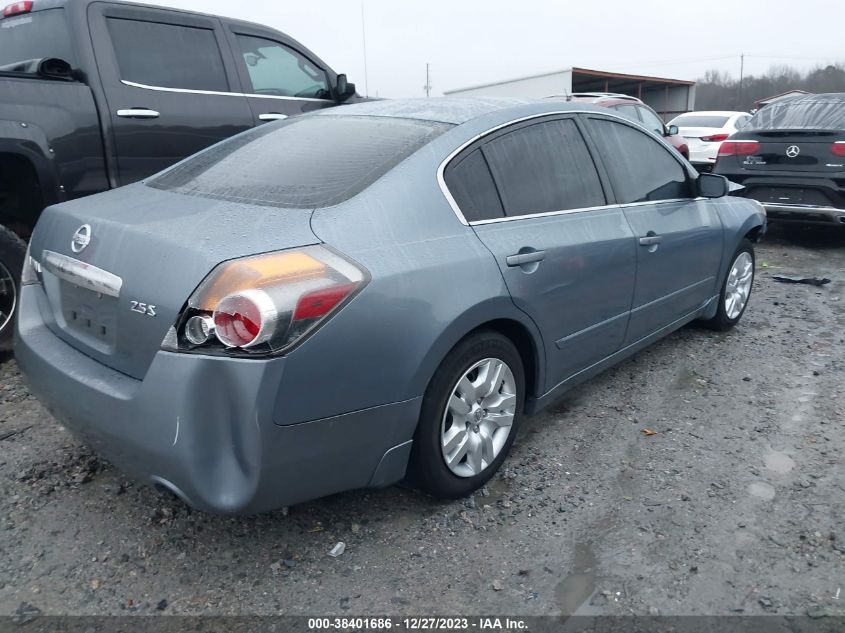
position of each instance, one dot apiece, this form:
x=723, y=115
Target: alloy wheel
x=738, y=285
x=478, y=417
x=8, y=297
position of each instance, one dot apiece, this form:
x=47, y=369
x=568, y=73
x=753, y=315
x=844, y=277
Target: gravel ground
x=730, y=507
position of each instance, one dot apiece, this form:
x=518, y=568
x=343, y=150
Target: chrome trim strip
x=82, y=274
x=134, y=84
x=810, y=208
x=441, y=181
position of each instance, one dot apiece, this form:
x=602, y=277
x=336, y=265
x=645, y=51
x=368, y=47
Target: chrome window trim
x=134, y=84
x=82, y=274
x=441, y=170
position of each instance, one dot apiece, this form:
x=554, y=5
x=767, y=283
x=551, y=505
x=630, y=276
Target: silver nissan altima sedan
x=378, y=291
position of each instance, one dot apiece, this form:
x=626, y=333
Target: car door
x=168, y=80
x=279, y=76
x=679, y=236
x=533, y=195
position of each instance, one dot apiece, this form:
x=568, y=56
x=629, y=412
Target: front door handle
x=138, y=113
x=651, y=239
x=272, y=116
x=520, y=259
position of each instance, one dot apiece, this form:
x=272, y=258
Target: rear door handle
x=521, y=259
x=272, y=116
x=651, y=240
x=138, y=113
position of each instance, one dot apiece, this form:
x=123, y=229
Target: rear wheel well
x=519, y=335
x=21, y=200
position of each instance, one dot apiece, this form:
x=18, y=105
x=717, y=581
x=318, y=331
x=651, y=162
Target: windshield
x=700, y=121
x=304, y=162
x=822, y=112
x=33, y=36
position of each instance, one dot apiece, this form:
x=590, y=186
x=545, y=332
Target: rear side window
x=33, y=36
x=275, y=69
x=641, y=169
x=628, y=111
x=544, y=167
x=473, y=189
x=304, y=162
x=168, y=55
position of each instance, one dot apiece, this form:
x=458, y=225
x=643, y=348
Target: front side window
x=304, y=162
x=168, y=55
x=651, y=121
x=544, y=167
x=275, y=69
x=641, y=169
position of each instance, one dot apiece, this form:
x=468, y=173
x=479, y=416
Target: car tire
x=728, y=315
x=12, y=253
x=443, y=430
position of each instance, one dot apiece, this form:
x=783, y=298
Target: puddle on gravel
x=580, y=583
x=761, y=489
x=778, y=462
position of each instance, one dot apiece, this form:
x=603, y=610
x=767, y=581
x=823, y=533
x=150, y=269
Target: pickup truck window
x=275, y=69
x=33, y=36
x=168, y=55
x=304, y=162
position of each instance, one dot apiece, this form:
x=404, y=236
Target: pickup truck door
x=170, y=84
x=279, y=76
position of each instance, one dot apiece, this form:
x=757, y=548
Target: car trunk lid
x=795, y=150
x=115, y=288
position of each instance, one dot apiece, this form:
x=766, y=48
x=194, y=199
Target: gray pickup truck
x=95, y=95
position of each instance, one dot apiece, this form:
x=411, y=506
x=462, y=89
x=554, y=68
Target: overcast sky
x=469, y=42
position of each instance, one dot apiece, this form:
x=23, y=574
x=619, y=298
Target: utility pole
x=364, y=41
x=427, y=86
x=741, y=75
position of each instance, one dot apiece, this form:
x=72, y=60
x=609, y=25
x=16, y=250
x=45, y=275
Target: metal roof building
x=668, y=97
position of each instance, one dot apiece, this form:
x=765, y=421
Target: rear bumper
x=805, y=214
x=203, y=426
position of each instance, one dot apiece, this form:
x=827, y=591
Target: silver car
x=353, y=296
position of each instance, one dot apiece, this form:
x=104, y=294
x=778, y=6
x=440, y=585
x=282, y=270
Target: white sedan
x=705, y=131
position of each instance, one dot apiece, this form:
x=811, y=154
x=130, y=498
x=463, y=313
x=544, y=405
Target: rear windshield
x=28, y=37
x=309, y=161
x=694, y=120
x=818, y=113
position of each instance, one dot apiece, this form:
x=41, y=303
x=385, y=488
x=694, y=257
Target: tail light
x=738, y=148
x=715, y=137
x=17, y=8
x=266, y=304
x=838, y=148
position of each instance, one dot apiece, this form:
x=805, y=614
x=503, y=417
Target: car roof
x=454, y=110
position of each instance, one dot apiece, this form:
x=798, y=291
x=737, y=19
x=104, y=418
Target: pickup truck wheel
x=12, y=253
x=736, y=289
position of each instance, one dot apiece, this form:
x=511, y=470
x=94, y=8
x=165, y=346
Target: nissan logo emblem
x=792, y=151
x=81, y=238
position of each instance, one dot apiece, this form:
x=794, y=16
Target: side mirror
x=671, y=130
x=343, y=89
x=55, y=68
x=713, y=186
